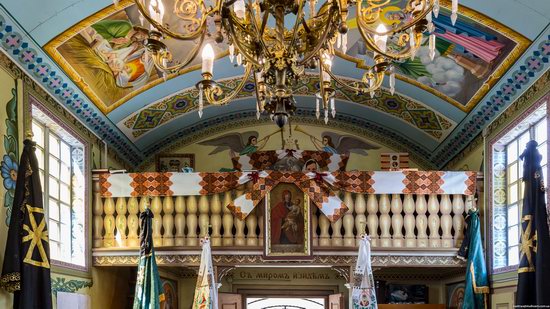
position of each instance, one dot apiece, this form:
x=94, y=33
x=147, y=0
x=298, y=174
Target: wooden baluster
x=349, y=222
x=204, y=217
x=133, y=222
x=314, y=225
x=180, y=221
x=421, y=221
x=109, y=223
x=446, y=221
x=227, y=220
x=372, y=219
x=216, y=220
x=324, y=224
x=156, y=208
x=397, y=220
x=191, y=218
x=360, y=218
x=458, y=219
x=98, y=216
x=143, y=203
x=168, y=221
x=434, y=221
x=337, y=240
x=120, y=221
x=260, y=214
x=251, y=224
x=239, y=227
x=385, y=220
x=408, y=207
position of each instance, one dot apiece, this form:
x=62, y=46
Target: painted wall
x=210, y=163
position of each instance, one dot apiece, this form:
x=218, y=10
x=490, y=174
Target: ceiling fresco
x=90, y=56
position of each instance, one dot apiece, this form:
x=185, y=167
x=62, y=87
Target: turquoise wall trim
x=60, y=284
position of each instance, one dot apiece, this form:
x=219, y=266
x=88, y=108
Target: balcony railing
x=426, y=222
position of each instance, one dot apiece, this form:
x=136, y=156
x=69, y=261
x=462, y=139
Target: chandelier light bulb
x=326, y=116
x=239, y=8
x=381, y=40
x=239, y=59
x=454, y=10
x=207, y=59
x=231, y=52
x=317, y=110
x=392, y=83
x=200, y=101
x=332, y=107
x=344, y=42
x=327, y=61
x=156, y=11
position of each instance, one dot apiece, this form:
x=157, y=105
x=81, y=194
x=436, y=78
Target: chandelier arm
x=322, y=41
x=211, y=92
x=192, y=55
x=342, y=83
x=296, y=24
x=170, y=33
x=238, y=44
x=363, y=23
x=257, y=30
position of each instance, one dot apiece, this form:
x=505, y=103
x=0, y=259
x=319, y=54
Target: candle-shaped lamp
x=381, y=40
x=207, y=59
x=327, y=65
x=239, y=8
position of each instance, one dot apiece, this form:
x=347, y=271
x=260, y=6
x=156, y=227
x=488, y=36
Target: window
x=60, y=158
x=508, y=187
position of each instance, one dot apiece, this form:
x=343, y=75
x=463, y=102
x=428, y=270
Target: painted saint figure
x=252, y=145
x=327, y=144
x=287, y=221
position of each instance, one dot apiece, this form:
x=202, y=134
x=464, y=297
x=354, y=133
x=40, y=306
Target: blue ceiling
x=37, y=30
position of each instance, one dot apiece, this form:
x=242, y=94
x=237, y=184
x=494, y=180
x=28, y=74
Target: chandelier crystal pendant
x=278, y=41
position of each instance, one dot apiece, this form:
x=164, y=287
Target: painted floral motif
x=9, y=165
x=9, y=172
x=60, y=284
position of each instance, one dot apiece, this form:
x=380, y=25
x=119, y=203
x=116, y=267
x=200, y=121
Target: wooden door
x=230, y=301
x=336, y=301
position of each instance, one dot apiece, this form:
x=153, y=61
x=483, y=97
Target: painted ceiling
x=483, y=63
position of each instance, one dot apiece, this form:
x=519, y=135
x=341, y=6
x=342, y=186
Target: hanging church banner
x=318, y=186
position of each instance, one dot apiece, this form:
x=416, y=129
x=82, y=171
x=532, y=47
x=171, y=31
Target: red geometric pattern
x=263, y=160
x=104, y=185
x=471, y=184
x=419, y=182
x=355, y=181
x=151, y=184
x=213, y=183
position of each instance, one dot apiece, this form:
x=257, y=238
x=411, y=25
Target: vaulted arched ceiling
x=439, y=107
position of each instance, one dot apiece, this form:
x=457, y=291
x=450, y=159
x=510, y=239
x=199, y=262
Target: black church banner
x=26, y=269
x=534, y=264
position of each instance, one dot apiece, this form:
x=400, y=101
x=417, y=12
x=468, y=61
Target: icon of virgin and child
x=287, y=221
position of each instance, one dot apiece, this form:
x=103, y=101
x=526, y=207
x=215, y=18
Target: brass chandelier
x=278, y=41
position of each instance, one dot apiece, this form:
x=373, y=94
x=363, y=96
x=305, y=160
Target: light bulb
x=207, y=59
x=239, y=8
x=381, y=40
x=432, y=46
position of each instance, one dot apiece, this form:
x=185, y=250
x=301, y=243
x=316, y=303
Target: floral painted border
x=60, y=284
x=9, y=164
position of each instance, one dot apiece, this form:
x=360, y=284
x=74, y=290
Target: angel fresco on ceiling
x=345, y=144
x=467, y=54
x=235, y=143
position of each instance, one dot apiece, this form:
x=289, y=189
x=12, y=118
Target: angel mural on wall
x=235, y=143
x=345, y=144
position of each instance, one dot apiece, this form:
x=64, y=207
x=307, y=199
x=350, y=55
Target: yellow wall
x=211, y=163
